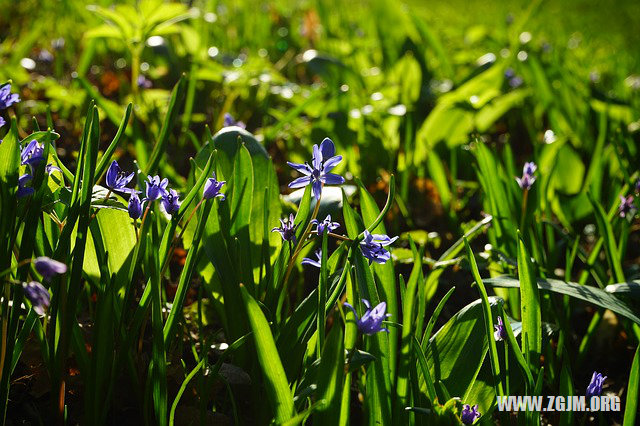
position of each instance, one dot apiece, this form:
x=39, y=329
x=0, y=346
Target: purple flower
x=626, y=208
x=500, y=332
x=515, y=82
x=48, y=267
x=637, y=186
x=371, y=321
x=595, y=386
x=230, y=121
x=24, y=190
x=287, y=229
x=312, y=262
x=469, y=414
x=324, y=160
x=2, y=122
x=144, y=82
x=528, y=178
x=7, y=98
x=135, y=206
x=50, y=168
x=32, y=154
x=156, y=188
x=325, y=224
x=373, y=247
x=171, y=202
x=212, y=188
x=38, y=295
x=117, y=180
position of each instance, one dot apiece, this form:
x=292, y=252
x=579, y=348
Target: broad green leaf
x=530, y=308
x=277, y=388
x=631, y=410
x=589, y=294
x=330, y=382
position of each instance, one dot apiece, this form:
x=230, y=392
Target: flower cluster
x=528, y=178
x=155, y=189
x=31, y=155
x=371, y=321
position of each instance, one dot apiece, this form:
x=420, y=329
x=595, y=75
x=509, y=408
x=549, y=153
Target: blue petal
x=300, y=182
x=302, y=168
x=332, y=179
x=328, y=148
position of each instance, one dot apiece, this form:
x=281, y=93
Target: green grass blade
x=530, y=308
x=330, y=381
x=104, y=160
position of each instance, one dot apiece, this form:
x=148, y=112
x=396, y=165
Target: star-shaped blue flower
x=318, y=173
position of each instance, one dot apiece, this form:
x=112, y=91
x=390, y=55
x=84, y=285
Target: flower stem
x=525, y=195
x=176, y=239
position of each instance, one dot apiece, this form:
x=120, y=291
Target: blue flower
x=500, y=332
x=230, y=121
x=32, y=154
x=373, y=247
x=117, y=180
x=325, y=224
x=38, y=295
x=287, y=229
x=626, y=208
x=23, y=189
x=312, y=262
x=2, y=122
x=212, y=188
x=324, y=160
x=595, y=386
x=371, y=321
x=528, y=178
x=469, y=414
x=171, y=202
x=156, y=188
x=7, y=98
x=135, y=206
x=48, y=267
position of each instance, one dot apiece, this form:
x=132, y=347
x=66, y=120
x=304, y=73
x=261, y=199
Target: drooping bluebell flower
x=230, y=121
x=469, y=414
x=23, y=189
x=171, y=202
x=32, y=154
x=2, y=122
x=7, y=98
x=528, y=178
x=500, y=332
x=326, y=224
x=595, y=386
x=371, y=321
x=135, y=206
x=48, y=267
x=626, y=208
x=156, y=188
x=287, y=229
x=313, y=262
x=373, y=247
x=212, y=188
x=317, y=174
x=38, y=295
x=117, y=179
